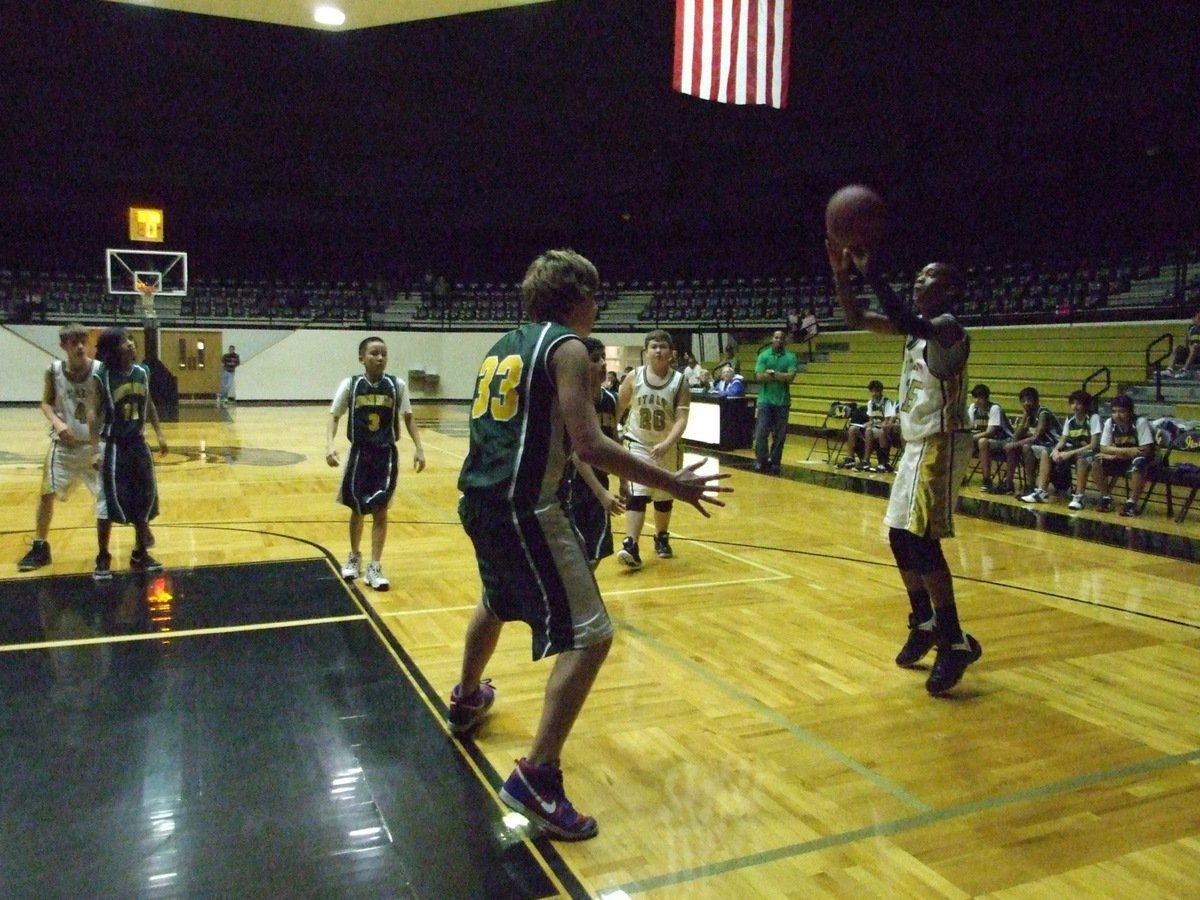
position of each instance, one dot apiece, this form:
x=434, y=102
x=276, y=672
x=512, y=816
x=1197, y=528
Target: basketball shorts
x=129, y=494
x=670, y=462
x=369, y=477
x=66, y=467
x=535, y=570
x=591, y=520
x=926, y=485
x=1122, y=466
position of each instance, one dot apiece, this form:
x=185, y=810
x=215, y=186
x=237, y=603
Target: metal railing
x=1155, y=365
x=1102, y=371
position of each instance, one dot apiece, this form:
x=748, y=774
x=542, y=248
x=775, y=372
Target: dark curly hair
x=108, y=347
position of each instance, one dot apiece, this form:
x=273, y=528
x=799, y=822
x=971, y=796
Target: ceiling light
x=329, y=15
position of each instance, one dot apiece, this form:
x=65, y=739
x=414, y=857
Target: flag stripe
x=733, y=51
x=681, y=48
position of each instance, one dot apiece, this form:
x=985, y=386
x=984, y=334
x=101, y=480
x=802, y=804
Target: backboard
x=165, y=270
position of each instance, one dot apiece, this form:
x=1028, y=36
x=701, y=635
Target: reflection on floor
x=234, y=731
x=1131, y=534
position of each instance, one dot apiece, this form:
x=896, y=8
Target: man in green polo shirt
x=774, y=370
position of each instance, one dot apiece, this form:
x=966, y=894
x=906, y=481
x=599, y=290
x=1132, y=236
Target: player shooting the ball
x=933, y=422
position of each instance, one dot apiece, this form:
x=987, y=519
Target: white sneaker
x=1076, y=502
x=353, y=566
x=375, y=577
x=1037, y=495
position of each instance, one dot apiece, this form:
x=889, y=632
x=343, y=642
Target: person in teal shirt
x=774, y=370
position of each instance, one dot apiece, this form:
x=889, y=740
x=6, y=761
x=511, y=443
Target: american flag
x=733, y=51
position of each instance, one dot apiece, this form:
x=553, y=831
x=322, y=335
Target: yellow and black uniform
x=1029, y=423
x=1078, y=431
x=129, y=492
x=590, y=517
x=1136, y=434
x=373, y=427
x=933, y=422
x=531, y=562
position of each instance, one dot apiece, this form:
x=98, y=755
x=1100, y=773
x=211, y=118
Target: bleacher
x=1128, y=288
x=1056, y=359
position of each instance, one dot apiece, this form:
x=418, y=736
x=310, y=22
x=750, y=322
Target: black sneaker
x=987, y=486
x=629, y=553
x=950, y=664
x=141, y=561
x=662, y=545
x=1105, y=505
x=1129, y=509
x=103, y=570
x=38, y=556
x=920, y=641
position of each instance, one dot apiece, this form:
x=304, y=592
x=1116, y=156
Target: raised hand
x=695, y=489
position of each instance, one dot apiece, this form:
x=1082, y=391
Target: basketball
x=854, y=217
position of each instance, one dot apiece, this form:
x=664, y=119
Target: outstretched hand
x=694, y=488
x=842, y=259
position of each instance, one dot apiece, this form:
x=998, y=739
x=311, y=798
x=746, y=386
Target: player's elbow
x=591, y=451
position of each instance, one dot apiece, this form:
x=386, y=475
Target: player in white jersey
x=65, y=391
x=933, y=422
x=658, y=401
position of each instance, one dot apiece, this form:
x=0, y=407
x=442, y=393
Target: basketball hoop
x=147, y=291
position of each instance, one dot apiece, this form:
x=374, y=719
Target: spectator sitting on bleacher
x=729, y=383
x=876, y=429
x=1187, y=355
x=1126, y=447
x=992, y=431
x=1036, y=427
x=1079, y=443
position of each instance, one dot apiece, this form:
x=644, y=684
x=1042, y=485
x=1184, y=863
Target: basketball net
x=147, y=291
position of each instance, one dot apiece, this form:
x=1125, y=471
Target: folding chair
x=1171, y=472
x=833, y=429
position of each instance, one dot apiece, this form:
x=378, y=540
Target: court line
x=541, y=850
x=963, y=576
x=396, y=614
x=776, y=718
x=772, y=574
x=909, y=823
x=189, y=632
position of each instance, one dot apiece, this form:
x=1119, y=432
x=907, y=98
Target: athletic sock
x=946, y=628
x=921, y=606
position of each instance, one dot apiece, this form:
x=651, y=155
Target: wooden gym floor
x=245, y=724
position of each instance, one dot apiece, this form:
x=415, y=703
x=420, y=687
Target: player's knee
x=915, y=553
x=898, y=539
x=933, y=560
x=637, y=503
x=664, y=506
